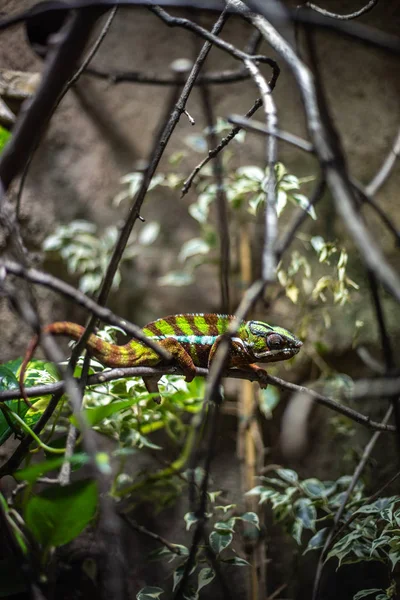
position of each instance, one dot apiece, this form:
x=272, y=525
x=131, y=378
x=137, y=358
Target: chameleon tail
x=110, y=355
x=59, y=328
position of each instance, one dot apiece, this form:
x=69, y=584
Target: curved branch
x=120, y=373
x=348, y=17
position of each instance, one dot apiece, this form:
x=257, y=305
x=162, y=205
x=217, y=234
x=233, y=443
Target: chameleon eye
x=275, y=341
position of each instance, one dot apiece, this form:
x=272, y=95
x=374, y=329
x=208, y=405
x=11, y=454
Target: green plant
x=221, y=540
x=371, y=531
x=87, y=253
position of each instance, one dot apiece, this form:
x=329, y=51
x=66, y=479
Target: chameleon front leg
x=180, y=357
x=261, y=373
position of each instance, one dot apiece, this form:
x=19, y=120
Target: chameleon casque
x=191, y=339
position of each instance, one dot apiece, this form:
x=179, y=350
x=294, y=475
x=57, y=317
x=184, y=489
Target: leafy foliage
x=87, y=253
x=297, y=277
x=220, y=541
x=372, y=529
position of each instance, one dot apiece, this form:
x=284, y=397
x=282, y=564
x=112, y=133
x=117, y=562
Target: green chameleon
x=191, y=339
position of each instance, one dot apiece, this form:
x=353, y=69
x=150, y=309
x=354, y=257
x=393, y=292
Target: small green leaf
x=31, y=473
x=4, y=137
x=149, y=233
x=378, y=506
x=149, y=593
x=236, y=561
x=317, y=540
x=305, y=512
x=99, y=413
x=304, y=204
x=8, y=380
x=59, y=514
x=224, y=527
x=288, y=475
x=219, y=542
x=256, y=491
x=176, y=279
x=269, y=399
x=297, y=530
x=190, y=518
x=178, y=574
x=251, y=517
x=314, y=488
x=206, y=576
x=193, y=247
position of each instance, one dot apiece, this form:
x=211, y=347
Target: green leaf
x=363, y=593
x=224, y=527
x=206, y=576
x=193, y=247
x=297, y=530
x=8, y=380
x=304, y=203
x=236, y=561
x=99, y=413
x=281, y=202
x=256, y=491
x=4, y=137
x=314, y=488
x=251, y=517
x=59, y=514
x=149, y=593
x=288, y=475
x=176, y=279
x=190, y=518
x=178, y=574
x=149, y=233
x=31, y=473
x=269, y=399
x=219, y=542
x=378, y=506
x=317, y=540
x=305, y=512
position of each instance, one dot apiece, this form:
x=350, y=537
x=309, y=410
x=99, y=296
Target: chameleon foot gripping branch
x=191, y=339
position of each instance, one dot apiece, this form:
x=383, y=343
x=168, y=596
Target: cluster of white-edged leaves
x=304, y=505
x=245, y=190
x=225, y=520
x=372, y=530
x=87, y=252
x=297, y=277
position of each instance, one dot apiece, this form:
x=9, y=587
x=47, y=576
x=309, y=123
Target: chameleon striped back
x=188, y=325
x=196, y=332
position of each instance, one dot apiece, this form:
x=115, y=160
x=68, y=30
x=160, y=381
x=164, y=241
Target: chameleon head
x=270, y=344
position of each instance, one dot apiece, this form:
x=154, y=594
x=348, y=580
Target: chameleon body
x=191, y=339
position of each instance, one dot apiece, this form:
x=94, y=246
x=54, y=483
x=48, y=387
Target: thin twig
x=385, y=169
x=120, y=373
x=285, y=136
x=105, y=314
x=154, y=536
x=327, y=13
x=146, y=78
x=269, y=257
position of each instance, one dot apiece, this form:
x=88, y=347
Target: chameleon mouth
x=281, y=353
